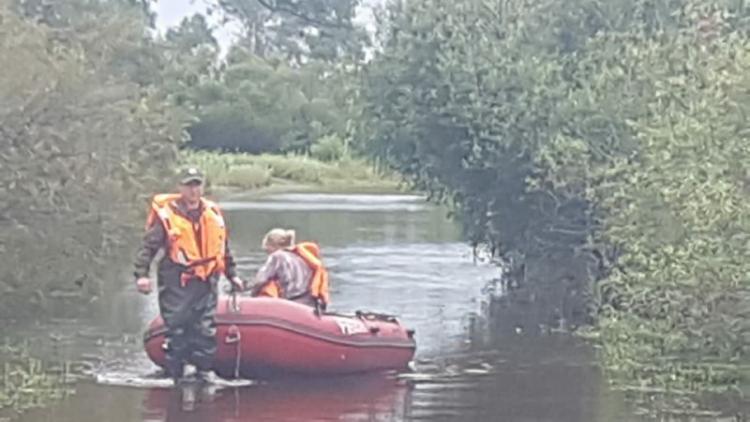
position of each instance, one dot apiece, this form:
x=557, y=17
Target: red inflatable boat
x=261, y=337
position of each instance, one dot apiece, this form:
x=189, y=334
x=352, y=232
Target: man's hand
x=237, y=284
x=143, y=284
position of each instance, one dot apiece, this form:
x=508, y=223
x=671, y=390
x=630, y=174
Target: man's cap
x=191, y=174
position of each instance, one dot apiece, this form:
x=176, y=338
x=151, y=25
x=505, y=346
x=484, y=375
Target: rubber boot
x=206, y=377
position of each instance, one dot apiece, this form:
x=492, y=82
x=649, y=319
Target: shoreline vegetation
x=230, y=174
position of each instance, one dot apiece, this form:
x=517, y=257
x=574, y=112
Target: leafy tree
x=603, y=143
x=290, y=80
x=79, y=139
x=300, y=30
x=253, y=17
x=191, y=52
x=261, y=106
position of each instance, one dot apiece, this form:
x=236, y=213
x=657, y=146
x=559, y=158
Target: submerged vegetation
x=27, y=383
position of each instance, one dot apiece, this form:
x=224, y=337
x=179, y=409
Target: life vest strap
x=200, y=262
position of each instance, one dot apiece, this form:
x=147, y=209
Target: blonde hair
x=279, y=238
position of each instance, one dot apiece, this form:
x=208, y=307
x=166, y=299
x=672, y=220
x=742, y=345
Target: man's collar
x=182, y=206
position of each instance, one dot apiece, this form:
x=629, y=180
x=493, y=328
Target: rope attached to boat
x=237, y=361
x=234, y=336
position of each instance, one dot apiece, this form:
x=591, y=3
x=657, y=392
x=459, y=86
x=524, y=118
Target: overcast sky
x=170, y=13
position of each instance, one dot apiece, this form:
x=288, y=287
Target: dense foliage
x=82, y=133
x=259, y=105
x=597, y=140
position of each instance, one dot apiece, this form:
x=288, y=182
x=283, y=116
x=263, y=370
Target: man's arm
x=153, y=240
x=230, y=266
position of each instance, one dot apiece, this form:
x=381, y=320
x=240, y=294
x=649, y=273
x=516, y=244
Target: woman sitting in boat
x=293, y=271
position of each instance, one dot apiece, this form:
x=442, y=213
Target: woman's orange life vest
x=310, y=253
x=199, y=247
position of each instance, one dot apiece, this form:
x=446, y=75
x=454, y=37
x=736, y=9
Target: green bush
x=246, y=176
x=293, y=167
x=328, y=148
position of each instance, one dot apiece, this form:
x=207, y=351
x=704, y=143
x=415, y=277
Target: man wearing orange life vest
x=192, y=232
x=292, y=271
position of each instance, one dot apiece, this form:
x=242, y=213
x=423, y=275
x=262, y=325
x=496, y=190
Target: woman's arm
x=269, y=271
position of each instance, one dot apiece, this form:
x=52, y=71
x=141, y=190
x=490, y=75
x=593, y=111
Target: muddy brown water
x=393, y=254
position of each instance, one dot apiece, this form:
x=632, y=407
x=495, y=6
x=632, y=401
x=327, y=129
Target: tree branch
x=275, y=7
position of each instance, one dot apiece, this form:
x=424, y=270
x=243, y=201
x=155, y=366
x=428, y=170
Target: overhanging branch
x=289, y=9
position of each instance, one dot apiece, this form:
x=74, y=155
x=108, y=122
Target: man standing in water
x=191, y=231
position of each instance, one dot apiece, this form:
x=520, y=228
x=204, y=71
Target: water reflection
x=352, y=399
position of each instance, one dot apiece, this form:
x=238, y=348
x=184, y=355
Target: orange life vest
x=310, y=253
x=200, y=260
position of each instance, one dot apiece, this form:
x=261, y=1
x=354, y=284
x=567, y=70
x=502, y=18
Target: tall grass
x=247, y=171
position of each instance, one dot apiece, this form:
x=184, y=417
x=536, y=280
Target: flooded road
x=393, y=254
